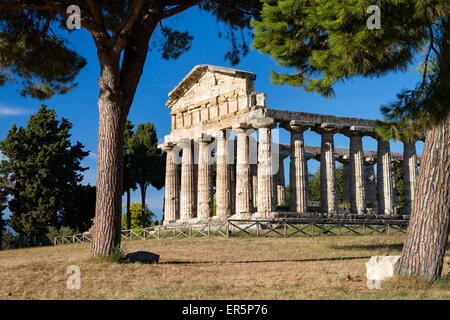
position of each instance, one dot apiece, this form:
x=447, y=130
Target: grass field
x=217, y=268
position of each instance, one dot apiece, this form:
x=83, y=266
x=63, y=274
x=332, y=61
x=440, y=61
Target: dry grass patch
x=216, y=268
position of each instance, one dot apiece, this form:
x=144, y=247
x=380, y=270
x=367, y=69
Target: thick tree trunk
x=118, y=85
x=112, y=118
x=128, y=209
x=424, y=249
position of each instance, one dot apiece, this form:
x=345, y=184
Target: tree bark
x=117, y=88
x=112, y=118
x=424, y=249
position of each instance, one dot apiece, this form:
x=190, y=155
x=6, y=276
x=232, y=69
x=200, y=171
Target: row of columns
x=242, y=200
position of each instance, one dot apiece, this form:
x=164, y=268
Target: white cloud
x=7, y=110
x=92, y=155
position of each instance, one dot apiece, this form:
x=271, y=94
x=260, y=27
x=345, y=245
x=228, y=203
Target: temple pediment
x=210, y=93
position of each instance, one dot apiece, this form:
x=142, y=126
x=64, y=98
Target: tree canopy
x=329, y=42
x=147, y=160
x=41, y=170
x=137, y=216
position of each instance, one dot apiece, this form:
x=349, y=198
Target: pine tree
x=329, y=42
x=122, y=32
x=147, y=160
x=42, y=168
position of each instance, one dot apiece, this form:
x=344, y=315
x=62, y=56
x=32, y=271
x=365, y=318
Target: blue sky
x=358, y=97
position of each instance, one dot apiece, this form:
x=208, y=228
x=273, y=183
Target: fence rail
x=285, y=227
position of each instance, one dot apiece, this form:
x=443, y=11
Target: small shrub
x=118, y=254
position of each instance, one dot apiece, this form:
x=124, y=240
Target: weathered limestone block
x=409, y=174
x=385, y=186
x=142, y=257
x=380, y=268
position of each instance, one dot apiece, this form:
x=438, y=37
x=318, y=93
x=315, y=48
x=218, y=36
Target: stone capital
x=166, y=146
x=221, y=135
x=327, y=128
x=358, y=131
x=203, y=137
x=297, y=125
x=240, y=128
x=269, y=123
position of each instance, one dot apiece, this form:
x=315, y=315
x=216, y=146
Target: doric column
x=385, y=186
x=253, y=152
x=243, y=185
x=346, y=179
x=369, y=176
x=204, y=187
x=266, y=199
x=223, y=176
x=328, y=188
x=409, y=174
x=171, y=190
x=357, y=188
x=187, y=199
x=298, y=172
x=280, y=183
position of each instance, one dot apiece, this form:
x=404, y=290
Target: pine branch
x=121, y=33
x=180, y=8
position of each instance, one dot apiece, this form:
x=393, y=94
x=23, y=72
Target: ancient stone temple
x=219, y=121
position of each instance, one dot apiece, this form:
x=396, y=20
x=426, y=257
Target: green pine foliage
x=327, y=42
x=26, y=47
x=41, y=170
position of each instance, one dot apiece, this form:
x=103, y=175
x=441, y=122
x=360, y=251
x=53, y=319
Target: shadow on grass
x=265, y=261
x=376, y=246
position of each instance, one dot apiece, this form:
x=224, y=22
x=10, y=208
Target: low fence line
x=285, y=227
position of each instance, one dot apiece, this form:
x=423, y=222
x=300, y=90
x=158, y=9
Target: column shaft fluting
x=266, y=199
x=385, y=186
x=205, y=196
x=171, y=190
x=409, y=175
x=328, y=194
x=357, y=188
x=187, y=201
x=298, y=175
x=223, y=177
x=243, y=185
